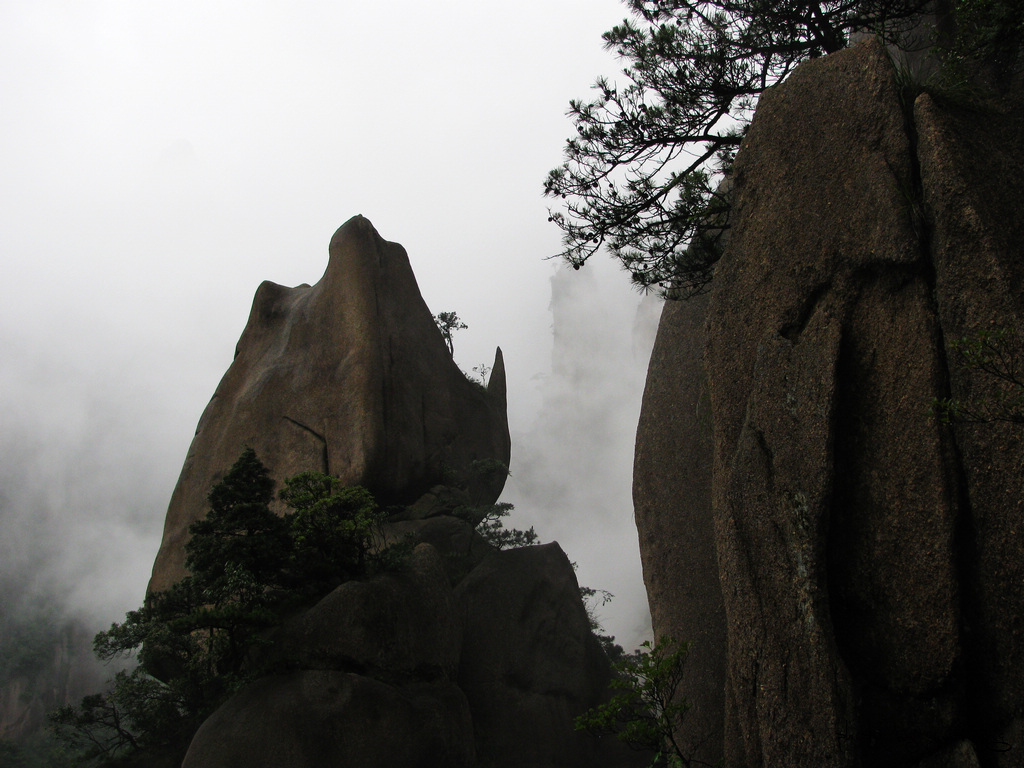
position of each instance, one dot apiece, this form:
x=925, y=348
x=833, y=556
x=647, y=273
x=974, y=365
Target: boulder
x=530, y=663
x=460, y=650
x=397, y=625
x=833, y=492
x=461, y=547
x=314, y=718
x=402, y=670
x=971, y=166
x=330, y=377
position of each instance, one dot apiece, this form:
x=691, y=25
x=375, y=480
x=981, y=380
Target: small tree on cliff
x=648, y=707
x=247, y=567
x=448, y=323
x=993, y=353
x=641, y=175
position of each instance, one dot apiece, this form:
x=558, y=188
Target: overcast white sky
x=159, y=159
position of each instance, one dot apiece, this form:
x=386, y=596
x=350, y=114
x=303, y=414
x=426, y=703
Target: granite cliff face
x=849, y=567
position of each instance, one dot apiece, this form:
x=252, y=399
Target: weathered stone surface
x=672, y=503
x=959, y=755
x=396, y=625
x=832, y=488
x=402, y=670
x=439, y=500
x=530, y=664
x=869, y=559
x=462, y=645
x=310, y=719
x=971, y=166
x=351, y=377
x=499, y=667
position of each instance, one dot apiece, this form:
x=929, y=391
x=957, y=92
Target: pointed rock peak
x=355, y=229
x=357, y=249
x=349, y=377
x=496, y=386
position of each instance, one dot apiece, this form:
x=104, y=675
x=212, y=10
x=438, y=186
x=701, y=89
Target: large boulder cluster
x=464, y=656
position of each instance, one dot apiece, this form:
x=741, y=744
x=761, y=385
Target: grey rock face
x=397, y=624
x=672, y=503
x=865, y=553
x=530, y=663
x=971, y=166
x=403, y=670
x=350, y=377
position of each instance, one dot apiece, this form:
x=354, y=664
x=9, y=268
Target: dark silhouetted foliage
x=448, y=323
x=193, y=641
x=993, y=354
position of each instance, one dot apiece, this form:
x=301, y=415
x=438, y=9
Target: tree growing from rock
x=193, y=641
x=448, y=323
x=642, y=173
x=993, y=354
x=648, y=708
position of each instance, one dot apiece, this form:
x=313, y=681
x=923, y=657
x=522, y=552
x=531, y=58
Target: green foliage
x=593, y=599
x=642, y=173
x=993, y=353
x=448, y=323
x=333, y=531
x=479, y=375
x=137, y=713
x=41, y=750
x=235, y=552
x=986, y=31
x=649, y=708
x=490, y=519
x=488, y=470
x=194, y=641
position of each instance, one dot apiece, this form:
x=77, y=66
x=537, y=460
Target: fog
x=161, y=159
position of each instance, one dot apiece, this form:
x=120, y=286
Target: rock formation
x=868, y=558
x=467, y=655
x=351, y=377
x=672, y=503
x=405, y=670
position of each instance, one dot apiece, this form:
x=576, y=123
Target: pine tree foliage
x=994, y=355
x=642, y=175
x=194, y=642
x=448, y=323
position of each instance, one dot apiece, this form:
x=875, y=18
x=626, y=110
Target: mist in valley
x=161, y=161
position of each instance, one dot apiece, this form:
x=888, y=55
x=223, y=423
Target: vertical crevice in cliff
x=325, y=465
x=972, y=721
